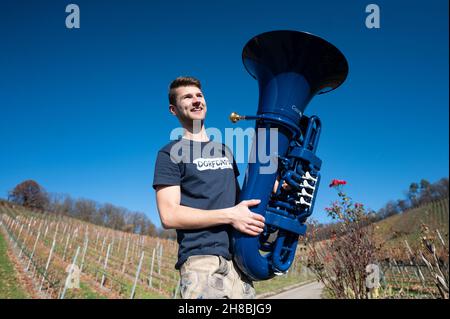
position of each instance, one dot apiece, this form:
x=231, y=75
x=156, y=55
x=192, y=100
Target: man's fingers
x=257, y=221
x=255, y=228
x=251, y=202
x=252, y=230
x=258, y=224
x=258, y=217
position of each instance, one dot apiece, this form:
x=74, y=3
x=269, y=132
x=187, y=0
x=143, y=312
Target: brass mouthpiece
x=234, y=117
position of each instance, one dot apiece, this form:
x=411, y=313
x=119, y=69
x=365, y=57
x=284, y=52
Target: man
x=197, y=194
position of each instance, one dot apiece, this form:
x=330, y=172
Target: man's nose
x=196, y=101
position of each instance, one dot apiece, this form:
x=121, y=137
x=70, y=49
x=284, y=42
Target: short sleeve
x=167, y=172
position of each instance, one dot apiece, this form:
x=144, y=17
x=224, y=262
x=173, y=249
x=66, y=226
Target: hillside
x=394, y=230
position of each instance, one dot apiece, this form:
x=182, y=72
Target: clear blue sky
x=84, y=111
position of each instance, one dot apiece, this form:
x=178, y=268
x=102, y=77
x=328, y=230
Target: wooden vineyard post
x=56, y=230
x=118, y=246
x=402, y=275
x=132, y=248
x=96, y=242
x=34, y=249
x=126, y=256
x=64, y=232
x=159, y=264
x=13, y=223
x=22, y=245
x=40, y=226
x=18, y=237
x=112, y=244
x=65, y=247
x=177, y=288
x=47, y=264
x=103, y=246
x=29, y=224
x=9, y=225
x=410, y=255
x=150, y=277
x=133, y=291
x=74, y=236
x=45, y=232
x=69, y=276
x=105, y=265
x=440, y=238
x=86, y=243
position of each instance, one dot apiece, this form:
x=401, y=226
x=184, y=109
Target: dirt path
x=312, y=290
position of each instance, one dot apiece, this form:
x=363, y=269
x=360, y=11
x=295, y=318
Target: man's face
x=190, y=104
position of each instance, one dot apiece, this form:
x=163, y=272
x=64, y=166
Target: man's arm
x=174, y=215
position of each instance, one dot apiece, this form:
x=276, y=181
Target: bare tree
x=29, y=194
x=402, y=205
x=413, y=194
x=85, y=209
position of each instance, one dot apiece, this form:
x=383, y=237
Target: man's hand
x=244, y=220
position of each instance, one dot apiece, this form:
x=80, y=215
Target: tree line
x=418, y=194
x=32, y=195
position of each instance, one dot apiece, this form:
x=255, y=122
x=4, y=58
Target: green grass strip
x=10, y=287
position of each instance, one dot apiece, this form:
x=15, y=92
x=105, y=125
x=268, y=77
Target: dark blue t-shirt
x=206, y=173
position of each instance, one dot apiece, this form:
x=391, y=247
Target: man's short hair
x=181, y=81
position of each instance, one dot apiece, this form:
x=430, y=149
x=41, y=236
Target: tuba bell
x=291, y=67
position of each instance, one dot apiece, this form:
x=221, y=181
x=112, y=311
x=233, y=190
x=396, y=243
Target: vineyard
x=55, y=250
x=393, y=231
x=63, y=257
x=58, y=253
x=415, y=245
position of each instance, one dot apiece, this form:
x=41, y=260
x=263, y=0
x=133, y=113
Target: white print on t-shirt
x=212, y=163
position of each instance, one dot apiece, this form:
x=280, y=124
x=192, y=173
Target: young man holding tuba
x=197, y=194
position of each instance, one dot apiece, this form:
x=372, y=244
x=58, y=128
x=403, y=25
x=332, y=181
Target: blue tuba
x=291, y=67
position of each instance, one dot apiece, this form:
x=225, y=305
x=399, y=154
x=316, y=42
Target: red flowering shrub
x=340, y=262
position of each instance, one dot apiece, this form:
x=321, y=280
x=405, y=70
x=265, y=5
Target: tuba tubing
x=291, y=67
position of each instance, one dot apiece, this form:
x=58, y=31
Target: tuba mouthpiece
x=234, y=117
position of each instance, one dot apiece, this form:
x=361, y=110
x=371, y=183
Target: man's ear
x=172, y=109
